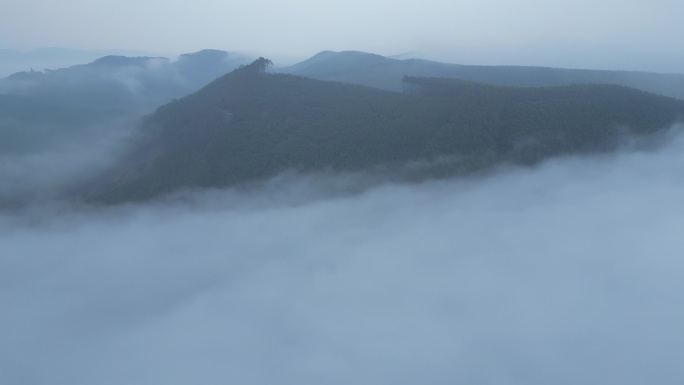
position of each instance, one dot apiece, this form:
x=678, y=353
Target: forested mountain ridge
x=387, y=73
x=250, y=124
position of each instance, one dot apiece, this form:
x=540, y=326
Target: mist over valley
x=351, y=218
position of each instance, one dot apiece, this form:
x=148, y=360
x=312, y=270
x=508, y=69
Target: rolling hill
x=386, y=73
x=38, y=109
x=250, y=124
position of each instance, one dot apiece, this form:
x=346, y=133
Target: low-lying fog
x=41, y=162
x=568, y=273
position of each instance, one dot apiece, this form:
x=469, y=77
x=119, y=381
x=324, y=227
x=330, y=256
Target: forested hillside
x=251, y=124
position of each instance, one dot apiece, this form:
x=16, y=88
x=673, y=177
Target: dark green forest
x=251, y=124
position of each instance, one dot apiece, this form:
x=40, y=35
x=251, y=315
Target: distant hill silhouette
x=38, y=108
x=12, y=61
x=382, y=72
x=125, y=82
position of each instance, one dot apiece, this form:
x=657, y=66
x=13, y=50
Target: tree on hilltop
x=259, y=65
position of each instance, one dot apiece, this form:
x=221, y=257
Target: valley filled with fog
x=567, y=272
x=303, y=193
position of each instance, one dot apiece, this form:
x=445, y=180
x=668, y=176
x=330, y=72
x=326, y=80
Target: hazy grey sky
x=622, y=34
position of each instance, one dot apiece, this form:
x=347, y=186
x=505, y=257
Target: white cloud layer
x=569, y=273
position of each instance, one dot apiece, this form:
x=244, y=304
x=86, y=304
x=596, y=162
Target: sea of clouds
x=566, y=273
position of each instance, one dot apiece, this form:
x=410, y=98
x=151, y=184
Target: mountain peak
x=122, y=61
x=204, y=55
x=336, y=61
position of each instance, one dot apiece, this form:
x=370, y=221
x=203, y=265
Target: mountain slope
x=250, y=125
x=381, y=72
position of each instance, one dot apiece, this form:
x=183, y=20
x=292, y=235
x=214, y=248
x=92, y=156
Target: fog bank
x=567, y=273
